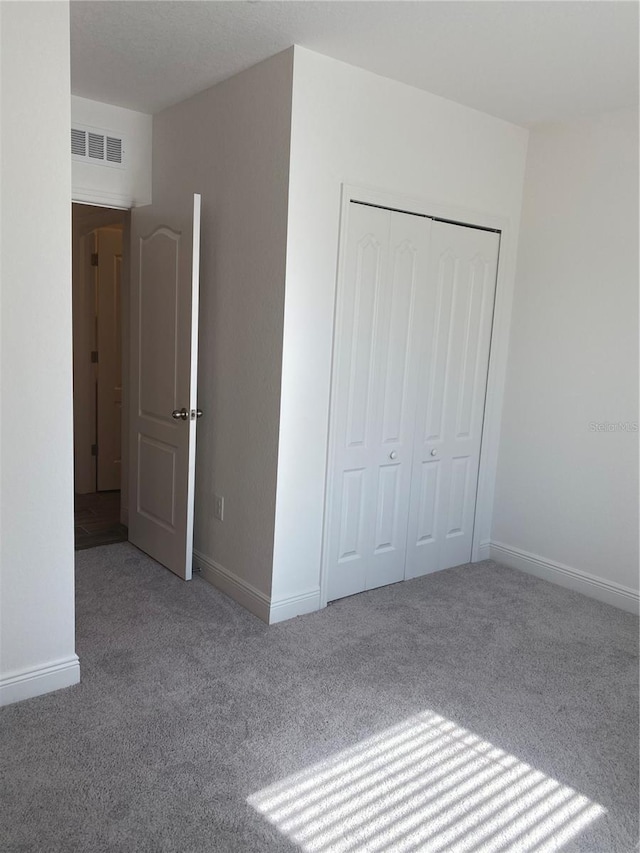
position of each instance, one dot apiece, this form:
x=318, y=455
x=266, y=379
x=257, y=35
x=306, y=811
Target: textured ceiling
x=522, y=60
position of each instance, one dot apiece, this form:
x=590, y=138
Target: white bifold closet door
x=413, y=330
x=386, y=260
x=453, y=353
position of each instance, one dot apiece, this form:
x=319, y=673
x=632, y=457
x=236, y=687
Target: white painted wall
x=567, y=496
x=231, y=143
x=37, y=638
x=95, y=183
x=349, y=125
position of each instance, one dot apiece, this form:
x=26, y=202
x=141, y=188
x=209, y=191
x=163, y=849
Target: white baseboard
x=248, y=596
x=240, y=590
x=484, y=551
x=608, y=591
x=296, y=605
x=42, y=679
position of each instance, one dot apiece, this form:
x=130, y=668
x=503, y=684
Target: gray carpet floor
x=478, y=709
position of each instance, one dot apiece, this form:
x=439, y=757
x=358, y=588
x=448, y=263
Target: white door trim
x=101, y=198
x=497, y=353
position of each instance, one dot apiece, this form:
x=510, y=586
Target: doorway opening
x=99, y=287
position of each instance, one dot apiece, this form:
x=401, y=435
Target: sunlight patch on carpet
x=429, y=785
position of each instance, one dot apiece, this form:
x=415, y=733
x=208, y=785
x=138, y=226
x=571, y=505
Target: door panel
x=369, y=269
x=164, y=329
x=374, y=398
x=157, y=498
x=402, y=294
x=429, y=490
x=454, y=361
x=159, y=299
x=387, y=510
x=351, y=544
x=458, y=495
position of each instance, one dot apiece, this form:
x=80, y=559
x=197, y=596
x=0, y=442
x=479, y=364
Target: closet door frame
x=497, y=352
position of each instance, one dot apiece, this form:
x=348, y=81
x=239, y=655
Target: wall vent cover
x=78, y=142
x=114, y=149
x=100, y=147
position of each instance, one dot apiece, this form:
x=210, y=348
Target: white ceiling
x=526, y=61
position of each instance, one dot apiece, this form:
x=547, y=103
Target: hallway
x=97, y=520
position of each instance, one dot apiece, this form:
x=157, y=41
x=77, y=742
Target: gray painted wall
x=231, y=143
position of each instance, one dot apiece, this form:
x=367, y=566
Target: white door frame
x=497, y=353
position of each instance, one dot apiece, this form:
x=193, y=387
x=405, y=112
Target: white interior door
x=164, y=349
x=454, y=357
x=109, y=347
x=385, y=269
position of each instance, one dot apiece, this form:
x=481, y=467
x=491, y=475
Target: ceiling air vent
x=92, y=145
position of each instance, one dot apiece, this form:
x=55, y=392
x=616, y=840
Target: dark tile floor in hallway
x=97, y=520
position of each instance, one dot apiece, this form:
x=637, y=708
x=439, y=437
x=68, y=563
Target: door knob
x=434, y=452
x=199, y=413
x=393, y=455
x=180, y=414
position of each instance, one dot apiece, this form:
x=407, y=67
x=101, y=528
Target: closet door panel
x=453, y=367
x=375, y=380
x=396, y=387
x=352, y=481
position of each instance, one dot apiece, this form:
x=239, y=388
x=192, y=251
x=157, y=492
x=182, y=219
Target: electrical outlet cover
x=218, y=507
